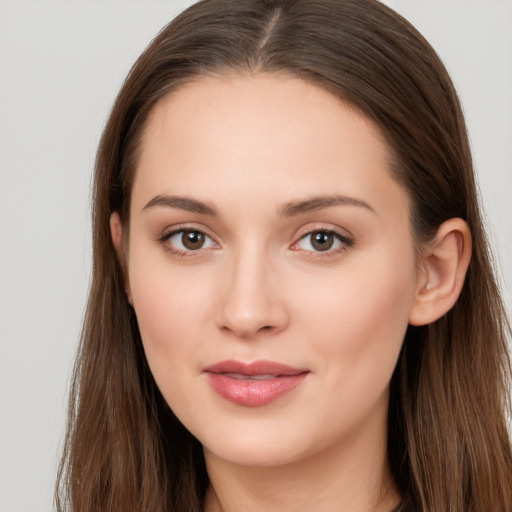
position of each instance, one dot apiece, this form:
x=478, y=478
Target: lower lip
x=252, y=392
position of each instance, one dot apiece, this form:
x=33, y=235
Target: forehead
x=234, y=103
x=262, y=133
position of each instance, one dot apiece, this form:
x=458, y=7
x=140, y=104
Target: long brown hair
x=448, y=445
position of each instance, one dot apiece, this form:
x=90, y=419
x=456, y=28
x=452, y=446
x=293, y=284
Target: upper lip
x=261, y=367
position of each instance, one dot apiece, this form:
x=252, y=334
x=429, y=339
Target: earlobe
x=116, y=232
x=443, y=268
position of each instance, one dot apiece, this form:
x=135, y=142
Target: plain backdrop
x=61, y=65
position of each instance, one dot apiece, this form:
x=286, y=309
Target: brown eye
x=192, y=240
x=187, y=240
x=322, y=240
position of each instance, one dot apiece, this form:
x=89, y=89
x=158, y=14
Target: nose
x=252, y=299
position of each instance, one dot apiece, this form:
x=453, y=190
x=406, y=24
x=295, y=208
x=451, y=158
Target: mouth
x=253, y=384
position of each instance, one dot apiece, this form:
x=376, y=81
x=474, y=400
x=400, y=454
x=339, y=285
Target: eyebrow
x=182, y=203
x=290, y=209
x=318, y=203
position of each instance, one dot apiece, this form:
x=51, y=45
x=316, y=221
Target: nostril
x=268, y=329
x=248, y=332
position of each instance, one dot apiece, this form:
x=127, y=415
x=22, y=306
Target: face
x=271, y=267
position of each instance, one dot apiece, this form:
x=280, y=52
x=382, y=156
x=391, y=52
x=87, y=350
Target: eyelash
x=346, y=242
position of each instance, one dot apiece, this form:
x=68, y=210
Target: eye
x=322, y=241
x=186, y=240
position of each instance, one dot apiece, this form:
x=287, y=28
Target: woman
x=292, y=302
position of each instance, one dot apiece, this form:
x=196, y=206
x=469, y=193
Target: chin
x=256, y=455
x=266, y=444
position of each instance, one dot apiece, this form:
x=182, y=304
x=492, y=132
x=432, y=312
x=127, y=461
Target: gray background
x=61, y=64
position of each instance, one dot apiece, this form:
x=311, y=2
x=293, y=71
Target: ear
x=116, y=231
x=443, y=267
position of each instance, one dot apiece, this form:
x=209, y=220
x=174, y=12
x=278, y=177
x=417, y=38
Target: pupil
x=192, y=239
x=322, y=241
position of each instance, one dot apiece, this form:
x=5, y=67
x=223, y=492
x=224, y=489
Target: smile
x=255, y=384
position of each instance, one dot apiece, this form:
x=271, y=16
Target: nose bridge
x=251, y=301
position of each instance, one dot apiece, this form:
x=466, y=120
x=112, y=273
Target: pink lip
x=254, y=384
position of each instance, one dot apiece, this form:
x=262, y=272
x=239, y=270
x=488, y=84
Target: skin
x=248, y=148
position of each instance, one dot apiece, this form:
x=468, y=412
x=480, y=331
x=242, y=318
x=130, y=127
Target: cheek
x=170, y=312
x=355, y=332
x=361, y=315
x=171, y=307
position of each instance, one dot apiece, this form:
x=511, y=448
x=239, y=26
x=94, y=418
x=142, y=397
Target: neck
x=352, y=476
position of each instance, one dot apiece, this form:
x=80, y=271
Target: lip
x=253, y=384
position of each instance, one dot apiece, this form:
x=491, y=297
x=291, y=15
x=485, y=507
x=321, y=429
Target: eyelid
x=170, y=230
x=323, y=226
